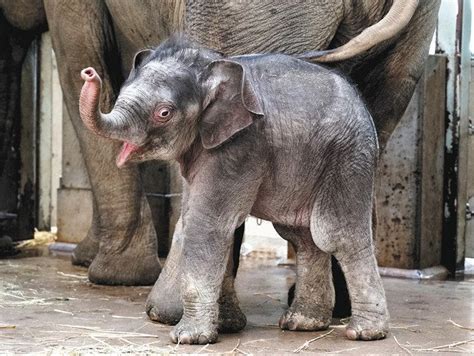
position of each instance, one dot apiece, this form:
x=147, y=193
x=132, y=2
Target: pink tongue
x=127, y=150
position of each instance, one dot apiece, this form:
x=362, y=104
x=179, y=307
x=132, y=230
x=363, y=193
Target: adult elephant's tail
x=392, y=23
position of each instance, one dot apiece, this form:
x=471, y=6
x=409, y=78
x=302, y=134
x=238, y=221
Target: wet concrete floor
x=48, y=306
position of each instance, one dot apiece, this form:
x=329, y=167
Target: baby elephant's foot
x=194, y=332
x=305, y=320
x=364, y=329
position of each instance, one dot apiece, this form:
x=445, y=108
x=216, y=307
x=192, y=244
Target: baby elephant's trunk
x=112, y=125
x=89, y=99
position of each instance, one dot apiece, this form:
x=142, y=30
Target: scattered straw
x=460, y=326
x=306, y=344
x=268, y=296
x=93, y=328
x=23, y=302
x=101, y=347
x=177, y=345
x=236, y=349
x=236, y=346
x=13, y=296
x=339, y=326
x=7, y=326
x=404, y=327
x=126, y=317
x=402, y=347
x=41, y=238
x=63, y=311
x=343, y=350
x=78, y=276
x=203, y=348
x=447, y=346
x=103, y=343
x=128, y=341
x=112, y=334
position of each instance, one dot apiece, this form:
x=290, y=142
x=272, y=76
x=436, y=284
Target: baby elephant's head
x=174, y=95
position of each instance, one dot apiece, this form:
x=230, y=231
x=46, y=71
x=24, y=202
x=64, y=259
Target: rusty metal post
x=453, y=37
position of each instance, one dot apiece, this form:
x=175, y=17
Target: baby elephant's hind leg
x=345, y=232
x=311, y=308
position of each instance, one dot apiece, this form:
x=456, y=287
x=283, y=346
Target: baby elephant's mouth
x=127, y=153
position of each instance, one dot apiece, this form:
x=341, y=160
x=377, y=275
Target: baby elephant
x=269, y=135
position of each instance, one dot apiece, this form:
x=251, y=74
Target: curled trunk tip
x=109, y=125
x=89, y=74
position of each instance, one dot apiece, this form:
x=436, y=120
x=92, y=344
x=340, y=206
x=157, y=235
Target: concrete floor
x=48, y=306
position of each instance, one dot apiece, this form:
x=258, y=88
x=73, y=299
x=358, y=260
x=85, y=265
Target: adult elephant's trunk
x=110, y=125
x=393, y=22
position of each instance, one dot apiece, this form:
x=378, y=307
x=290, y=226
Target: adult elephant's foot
x=127, y=262
x=305, y=317
x=231, y=317
x=86, y=250
x=164, y=303
x=361, y=328
x=129, y=268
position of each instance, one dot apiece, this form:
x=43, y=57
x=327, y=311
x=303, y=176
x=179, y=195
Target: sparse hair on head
x=184, y=50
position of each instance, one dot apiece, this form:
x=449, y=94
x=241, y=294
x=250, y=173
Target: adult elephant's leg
x=388, y=80
x=82, y=36
x=311, y=307
x=87, y=249
x=164, y=302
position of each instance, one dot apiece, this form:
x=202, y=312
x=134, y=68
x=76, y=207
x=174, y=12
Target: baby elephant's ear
x=233, y=103
x=139, y=57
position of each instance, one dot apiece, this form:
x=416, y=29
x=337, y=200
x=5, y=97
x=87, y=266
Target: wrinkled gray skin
x=106, y=34
x=267, y=135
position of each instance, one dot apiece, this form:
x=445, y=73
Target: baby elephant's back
x=309, y=106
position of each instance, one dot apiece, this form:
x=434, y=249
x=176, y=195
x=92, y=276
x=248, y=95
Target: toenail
x=351, y=334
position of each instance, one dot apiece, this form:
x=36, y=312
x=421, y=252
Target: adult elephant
x=385, y=62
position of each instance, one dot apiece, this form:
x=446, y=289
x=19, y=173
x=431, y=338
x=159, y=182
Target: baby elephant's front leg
x=207, y=244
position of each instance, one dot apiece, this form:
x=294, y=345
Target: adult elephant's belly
x=144, y=23
x=238, y=27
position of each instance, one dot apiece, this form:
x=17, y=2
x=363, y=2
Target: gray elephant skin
x=267, y=135
x=106, y=34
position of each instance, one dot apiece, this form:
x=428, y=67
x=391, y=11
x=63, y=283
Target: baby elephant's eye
x=163, y=113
